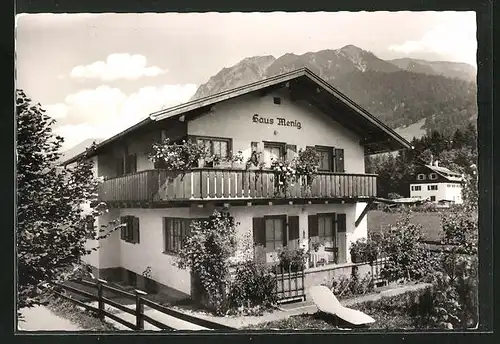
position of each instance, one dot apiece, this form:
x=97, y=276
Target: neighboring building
x=437, y=184
x=276, y=116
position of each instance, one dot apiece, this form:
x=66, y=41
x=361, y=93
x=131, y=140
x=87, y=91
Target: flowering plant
x=307, y=163
x=182, y=157
x=285, y=174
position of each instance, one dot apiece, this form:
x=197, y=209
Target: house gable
x=257, y=118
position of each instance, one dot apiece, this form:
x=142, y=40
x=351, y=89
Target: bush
x=206, y=253
x=407, y=259
x=253, y=287
x=293, y=258
x=365, y=250
x=346, y=287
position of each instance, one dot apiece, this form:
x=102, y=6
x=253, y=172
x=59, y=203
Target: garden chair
x=326, y=302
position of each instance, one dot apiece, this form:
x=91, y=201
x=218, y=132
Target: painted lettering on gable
x=279, y=121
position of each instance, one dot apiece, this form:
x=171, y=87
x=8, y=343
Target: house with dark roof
x=275, y=117
x=437, y=184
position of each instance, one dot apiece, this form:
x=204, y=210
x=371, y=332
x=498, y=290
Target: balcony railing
x=231, y=184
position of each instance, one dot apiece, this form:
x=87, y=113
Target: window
x=432, y=187
x=325, y=158
x=416, y=188
x=219, y=147
x=175, y=232
x=130, y=229
x=126, y=164
x=277, y=100
x=330, y=159
x=433, y=176
x=421, y=176
x=433, y=198
x=273, y=151
x=275, y=235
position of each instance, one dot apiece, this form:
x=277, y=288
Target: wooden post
x=100, y=302
x=139, y=309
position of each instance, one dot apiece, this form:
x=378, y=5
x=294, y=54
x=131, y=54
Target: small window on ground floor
x=129, y=230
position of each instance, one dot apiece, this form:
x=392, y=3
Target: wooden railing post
x=139, y=309
x=100, y=301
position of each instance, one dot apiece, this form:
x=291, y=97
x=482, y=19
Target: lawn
x=379, y=221
x=390, y=313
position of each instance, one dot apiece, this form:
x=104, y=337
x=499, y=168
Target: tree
x=51, y=226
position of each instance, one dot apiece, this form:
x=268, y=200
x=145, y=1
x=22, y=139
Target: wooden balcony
x=209, y=184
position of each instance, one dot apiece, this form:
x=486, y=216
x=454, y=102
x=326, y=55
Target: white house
x=437, y=184
x=276, y=116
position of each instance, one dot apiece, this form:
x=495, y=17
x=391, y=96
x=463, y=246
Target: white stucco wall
x=445, y=191
x=114, y=252
x=233, y=119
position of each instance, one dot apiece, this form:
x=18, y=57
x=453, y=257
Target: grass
x=379, y=221
x=83, y=318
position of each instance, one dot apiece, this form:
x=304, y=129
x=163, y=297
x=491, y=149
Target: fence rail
x=138, y=311
x=231, y=184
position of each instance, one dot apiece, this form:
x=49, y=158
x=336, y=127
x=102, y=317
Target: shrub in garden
x=453, y=297
x=293, y=258
x=365, y=250
x=407, y=259
x=345, y=287
x=253, y=287
x=206, y=253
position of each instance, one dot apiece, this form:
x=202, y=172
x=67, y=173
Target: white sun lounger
x=328, y=303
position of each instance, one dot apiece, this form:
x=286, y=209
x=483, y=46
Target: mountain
x=400, y=92
x=244, y=72
x=79, y=148
x=458, y=70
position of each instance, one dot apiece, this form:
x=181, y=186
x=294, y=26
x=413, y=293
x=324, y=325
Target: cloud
x=454, y=39
x=57, y=111
x=105, y=111
x=117, y=66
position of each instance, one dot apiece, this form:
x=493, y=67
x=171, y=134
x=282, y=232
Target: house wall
x=114, y=252
x=454, y=192
x=444, y=191
x=233, y=119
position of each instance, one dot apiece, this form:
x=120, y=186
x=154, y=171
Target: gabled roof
x=305, y=85
x=446, y=173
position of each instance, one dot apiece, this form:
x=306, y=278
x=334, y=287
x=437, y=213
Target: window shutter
x=293, y=227
x=339, y=159
x=260, y=151
x=119, y=166
x=136, y=232
x=313, y=225
x=291, y=152
x=259, y=231
x=341, y=223
x=123, y=229
x=133, y=168
x=334, y=229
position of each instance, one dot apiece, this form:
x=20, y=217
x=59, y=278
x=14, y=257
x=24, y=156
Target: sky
x=98, y=74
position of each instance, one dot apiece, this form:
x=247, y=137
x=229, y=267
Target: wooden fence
x=290, y=283
x=138, y=311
